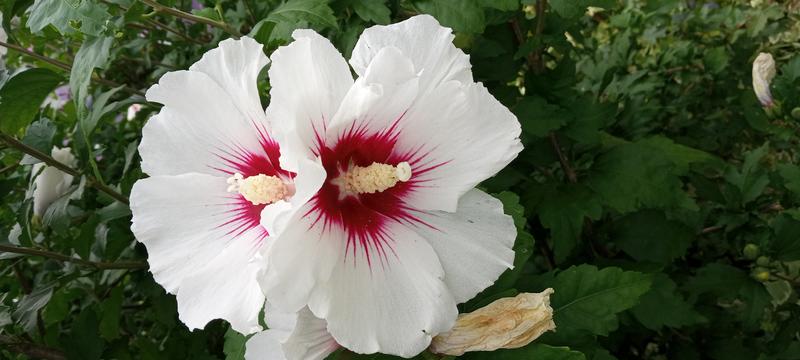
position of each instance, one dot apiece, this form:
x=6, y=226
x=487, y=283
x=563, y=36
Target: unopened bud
x=507, y=323
x=762, y=261
x=761, y=274
x=750, y=251
x=796, y=113
x=763, y=72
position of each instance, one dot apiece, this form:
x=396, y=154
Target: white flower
x=133, y=110
x=300, y=336
x=506, y=323
x=51, y=183
x=763, y=72
x=202, y=233
x=396, y=235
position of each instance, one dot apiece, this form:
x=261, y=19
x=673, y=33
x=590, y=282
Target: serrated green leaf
x=27, y=310
x=532, y=351
x=786, y=241
x=69, y=16
x=562, y=209
x=664, y=306
x=94, y=53
x=506, y=5
x=587, y=298
x=21, y=96
x=39, y=135
x=295, y=14
x=372, y=10
x=635, y=175
x=649, y=236
x=84, y=339
x=752, y=178
x=462, y=15
x=538, y=117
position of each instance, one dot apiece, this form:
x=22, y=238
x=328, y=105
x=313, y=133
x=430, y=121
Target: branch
x=194, y=18
x=67, y=67
x=47, y=159
x=32, y=350
x=100, y=265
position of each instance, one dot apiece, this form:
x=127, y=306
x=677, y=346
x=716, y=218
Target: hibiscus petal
x=295, y=336
x=459, y=136
x=191, y=226
x=394, y=303
x=428, y=45
x=234, y=65
x=309, y=78
x=474, y=244
x=212, y=119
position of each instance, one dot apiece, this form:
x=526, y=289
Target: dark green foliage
x=663, y=199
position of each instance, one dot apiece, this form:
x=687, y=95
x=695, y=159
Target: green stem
x=47, y=159
x=194, y=18
x=100, y=265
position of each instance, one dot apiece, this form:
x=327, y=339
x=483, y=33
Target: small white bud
x=763, y=72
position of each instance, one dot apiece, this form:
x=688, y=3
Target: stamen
x=374, y=178
x=259, y=189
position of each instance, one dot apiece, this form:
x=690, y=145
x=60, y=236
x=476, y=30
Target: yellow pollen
x=376, y=177
x=258, y=189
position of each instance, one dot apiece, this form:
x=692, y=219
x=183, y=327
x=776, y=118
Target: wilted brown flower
x=506, y=323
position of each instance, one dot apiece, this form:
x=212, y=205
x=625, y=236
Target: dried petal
x=507, y=323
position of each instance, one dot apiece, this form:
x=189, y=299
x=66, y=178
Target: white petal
x=309, y=78
x=211, y=115
x=51, y=183
x=224, y=289
x=303, y=255
x=309, y=178
x=379, y=98
x=188, y=225
x=234, y=65
x=428, y=45
x=474, y=244
x=459, y=136
x=3, y=50
x=297, y=336
x=394, y=305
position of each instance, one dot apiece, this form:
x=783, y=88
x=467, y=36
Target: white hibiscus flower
x=213, y=167
x=396, y=235
x=51, y=183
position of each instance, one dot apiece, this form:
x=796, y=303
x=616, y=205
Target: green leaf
x=562, y=209
x=533, y=351
x=84, y=339
x=586, y=298
x=752, y=178
x=505, y=5
x=94, y=53
x=27, y=310
x=649, y=236
x=570, y=9
x=791, y=177
x=538, y=117
x=39, y=135
x=786, y=242
x=234, y=347
x=110, y=310
x=372, y=10
x=22, y=95
x=635, y=175
x=295, y=14
x=68, y=16
x=664, y=306
x=463, y=15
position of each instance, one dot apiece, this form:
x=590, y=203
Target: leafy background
x=663, y=199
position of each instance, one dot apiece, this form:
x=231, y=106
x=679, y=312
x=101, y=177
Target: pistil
x=376, y=177
x=259, y=189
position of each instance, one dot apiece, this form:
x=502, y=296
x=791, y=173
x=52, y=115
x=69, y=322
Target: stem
x=32, y=350
x=541, y=6
x=571, y=176
x=47, y=159
x=794, y=282
x=194, y=18
x=66, y=67
x=100, y=265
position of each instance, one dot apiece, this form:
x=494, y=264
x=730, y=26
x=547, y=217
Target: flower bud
x=761, y=274
x=750, y=251
x=763, y=72
x=762, y=261
x=507, y=323
x=51, y=183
